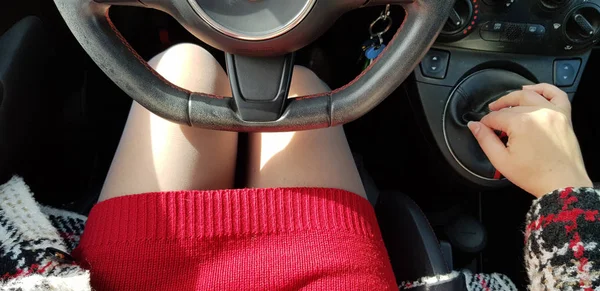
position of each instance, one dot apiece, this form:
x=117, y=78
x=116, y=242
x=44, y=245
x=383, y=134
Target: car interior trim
x=269, y=35
x=448, y=144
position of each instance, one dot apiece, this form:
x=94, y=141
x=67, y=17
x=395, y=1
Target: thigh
x=157, y=155
x=314, y=158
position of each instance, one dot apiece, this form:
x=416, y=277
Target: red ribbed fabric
x=249, y=239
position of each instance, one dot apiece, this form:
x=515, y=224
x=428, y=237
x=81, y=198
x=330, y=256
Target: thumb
x=490, y=143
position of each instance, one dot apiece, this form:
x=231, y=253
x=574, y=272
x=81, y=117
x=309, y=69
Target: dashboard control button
x=500, y=3
x=498, y=26
x=461, y=21
x=486, y=26
x=535, y=32
x=583, y=24
x=489, y=35
x=565, y=72
x=493, y=26
x=587, y=29
x=435, y=64
x=492, y=30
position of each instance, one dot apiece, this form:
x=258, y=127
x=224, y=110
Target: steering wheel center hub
x=253, y=20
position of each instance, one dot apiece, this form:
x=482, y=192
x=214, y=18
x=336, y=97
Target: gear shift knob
x=469, y=102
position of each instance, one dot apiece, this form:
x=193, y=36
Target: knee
x=186, y=49
x=304, y=73
x=191, y=67
x=182, y=54
x=306, y=82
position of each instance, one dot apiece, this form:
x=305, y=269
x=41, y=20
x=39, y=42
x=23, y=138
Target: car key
x=374, y=46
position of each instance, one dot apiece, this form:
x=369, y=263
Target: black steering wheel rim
x=89, y=21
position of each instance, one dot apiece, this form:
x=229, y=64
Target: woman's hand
x=542, y=153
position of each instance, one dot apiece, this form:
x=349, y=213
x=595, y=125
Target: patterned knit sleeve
x=35, y=243
x=561, y=240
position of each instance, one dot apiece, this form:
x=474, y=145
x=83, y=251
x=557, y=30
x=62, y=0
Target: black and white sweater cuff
x=561, y=240
x=34, y=247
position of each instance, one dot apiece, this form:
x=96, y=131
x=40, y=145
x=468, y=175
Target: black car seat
x=24, y=68
x=411, y=243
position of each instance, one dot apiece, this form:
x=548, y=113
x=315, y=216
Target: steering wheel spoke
x=260, y=85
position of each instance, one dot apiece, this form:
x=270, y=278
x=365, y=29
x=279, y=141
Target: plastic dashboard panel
x=469, y=53
x=518, y=17
x=434, y=93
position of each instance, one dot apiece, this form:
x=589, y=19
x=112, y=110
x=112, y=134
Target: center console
x=541, y=27
x=489, y=48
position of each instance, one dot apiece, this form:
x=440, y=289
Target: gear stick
x=469, y=102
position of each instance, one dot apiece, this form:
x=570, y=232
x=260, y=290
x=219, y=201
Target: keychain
x=374, y=46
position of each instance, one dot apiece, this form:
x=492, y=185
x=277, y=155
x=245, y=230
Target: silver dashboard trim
x=226, y=31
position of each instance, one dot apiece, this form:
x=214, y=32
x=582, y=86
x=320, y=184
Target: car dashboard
x=542, y=41
x=540, y=27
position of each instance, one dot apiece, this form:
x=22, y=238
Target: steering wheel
x=259, y=37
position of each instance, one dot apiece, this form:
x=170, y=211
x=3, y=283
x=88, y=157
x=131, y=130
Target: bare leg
x=157, y=155
x=314, y=158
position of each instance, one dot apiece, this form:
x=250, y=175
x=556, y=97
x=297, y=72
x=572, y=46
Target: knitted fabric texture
x=488, y=282
x=477, y=282
x=561, y=239
x=35, y=241
x=257, y=239
x=244, y=239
